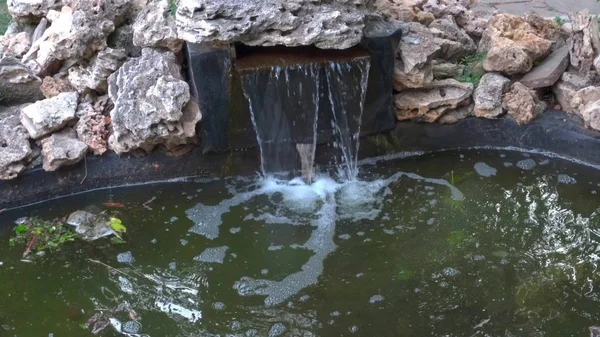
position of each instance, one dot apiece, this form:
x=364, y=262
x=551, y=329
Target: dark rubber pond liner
x=555, y=132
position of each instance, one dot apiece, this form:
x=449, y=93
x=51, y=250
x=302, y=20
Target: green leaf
x=116, y=240
x=20, y=229
x=117, y=225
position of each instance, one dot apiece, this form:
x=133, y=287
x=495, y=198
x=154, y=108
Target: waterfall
x=294, y=107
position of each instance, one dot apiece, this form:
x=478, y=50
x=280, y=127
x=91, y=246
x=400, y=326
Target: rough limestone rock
x=417, y=46
x=92, y=126
x=488, y=95
x=18, y=84
x=456, y=115
x=122, y=38
x=327, y=24
x=31, y=10
x=416, y=78
x=73, y=35
x=570, y=83
x=522, y=104
x=94, y=75
x=62, y=149
x=512, y=45
x=431, y=102
x=55, y=85
x=587, y=103
x=116, y=11
x=152, y=104
x=404, y=10
x=584, y=40
x=155, y=27
x=454, y=42
x=472, y=23
x=442, y=8
x=15, y=150
x=549, y=71
x=15, y=45
x=49, y=115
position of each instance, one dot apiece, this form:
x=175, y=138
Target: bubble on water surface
x=126, y=257
x=132, y=327
x=218, y=305
x=484, y=169
x=183, y=242
x=526, y=164
x=212, y=255
x=235, y=230
x=344, y=236
x=450, y=272
x=566, y=179
x=277, y=330
x=376, y=299
x=508, y=164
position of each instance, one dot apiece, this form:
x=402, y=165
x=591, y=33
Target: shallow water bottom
x=471, y=243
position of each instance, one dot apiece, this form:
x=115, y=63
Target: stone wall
x=81, y=78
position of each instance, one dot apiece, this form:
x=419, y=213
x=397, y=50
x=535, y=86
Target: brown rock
x=587, y=102
x=61, y=149
x=432, y=101
x=92, y=127
x=522, y=104
x=52, y=86
x=569, y=84
x=15, y=45
x=512, y=45
x=443, y=70
x=549, y=71
x=402, y=10
x=456, y=115
x=416, y=78
x=418, y=46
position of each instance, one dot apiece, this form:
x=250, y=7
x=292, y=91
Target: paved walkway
x=548, y=8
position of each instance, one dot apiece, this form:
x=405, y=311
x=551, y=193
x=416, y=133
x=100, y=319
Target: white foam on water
x=484, y=169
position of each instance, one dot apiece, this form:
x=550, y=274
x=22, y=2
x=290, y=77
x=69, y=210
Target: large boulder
x=44, y=117
x=326, y=24
x=584, y=40
x=15, y=150
x=522, y=104
x=155, y=27
x=570, y=83
x=18, y=84
x=432, y=101
x=73, y=35
x=93, y=75
x=488, y=95
x=31, y=10
x=62, y=149
x=152, y=104
x=512, y=45
x=586, y=102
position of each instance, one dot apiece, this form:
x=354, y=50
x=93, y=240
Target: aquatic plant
x=39, y=235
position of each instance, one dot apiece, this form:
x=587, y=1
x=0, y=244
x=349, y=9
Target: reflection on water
x=461, y=244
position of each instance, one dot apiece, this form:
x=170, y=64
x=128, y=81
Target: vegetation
x=560, y=21
x=473, y=68
x=4, y=17
x=39, y=235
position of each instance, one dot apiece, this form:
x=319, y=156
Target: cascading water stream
x=292, y=107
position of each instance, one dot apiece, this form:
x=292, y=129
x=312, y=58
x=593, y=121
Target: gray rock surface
x=454, y=42
x=152, y=104
x=49, y=115
x=15, y=150
x=522, y=104
x=155, y=27
x=31, y=10
x=327, y=24
x=456, y=115
x=488, y=95
x=95, y=74
x=122, y=38
x=62, y=149
x=549, y=71
x=584, y=40
x=15, y=45
x=18, y=84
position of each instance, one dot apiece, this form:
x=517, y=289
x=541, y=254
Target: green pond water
x=472, y=243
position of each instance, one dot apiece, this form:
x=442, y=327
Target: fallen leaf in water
x=114, y=204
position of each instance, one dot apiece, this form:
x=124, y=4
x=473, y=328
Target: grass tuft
x=473, y=68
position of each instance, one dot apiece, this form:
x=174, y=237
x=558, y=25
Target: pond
x=470, y=243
